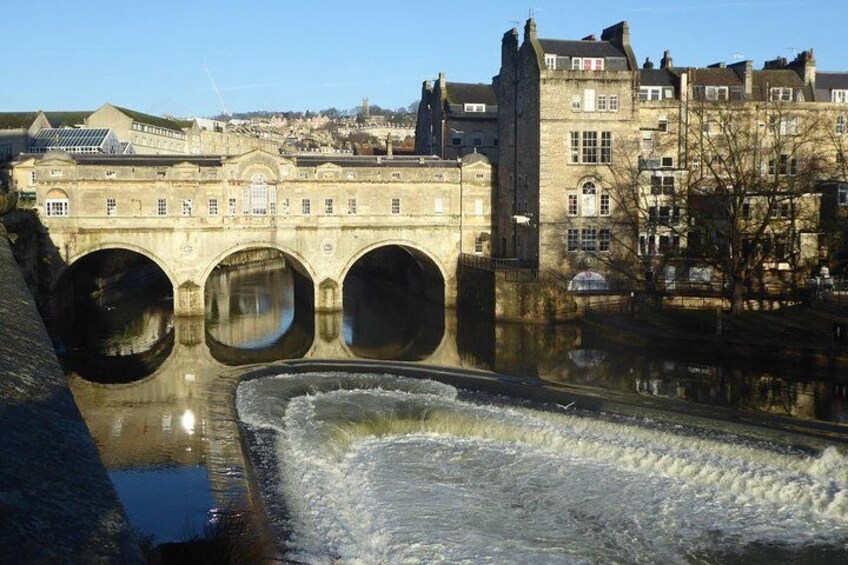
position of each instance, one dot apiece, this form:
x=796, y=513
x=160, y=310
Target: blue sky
x=298, y=55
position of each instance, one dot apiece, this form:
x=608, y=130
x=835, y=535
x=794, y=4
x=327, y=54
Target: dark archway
x=259, y=307
x=112, y=316
x=394, y=301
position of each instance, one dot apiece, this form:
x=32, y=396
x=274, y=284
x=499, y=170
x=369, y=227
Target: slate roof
x=463, y=92
x=657, y=77
x=17, y=120
x=349, y=161
x=66, y=119
x=831, y=81
x=775, y=78
x=570, y=48
x=713, y=77
x=166, y=123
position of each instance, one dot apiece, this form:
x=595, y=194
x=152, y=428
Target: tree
x=741, y=201
x=752, y=176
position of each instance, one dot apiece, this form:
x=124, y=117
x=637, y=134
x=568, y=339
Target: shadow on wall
x=57, y=503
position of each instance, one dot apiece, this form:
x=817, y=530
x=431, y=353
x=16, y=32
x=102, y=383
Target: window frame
x=54, y=205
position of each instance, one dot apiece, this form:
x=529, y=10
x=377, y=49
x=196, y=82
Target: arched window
x=590, y=199
x=255, y=196
x=56, y=203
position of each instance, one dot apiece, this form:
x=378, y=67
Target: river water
x=381, y=468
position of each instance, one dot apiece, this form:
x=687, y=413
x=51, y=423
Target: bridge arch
x=299, y=259
x=416, y=248
x=393, y=301
x=108, y=246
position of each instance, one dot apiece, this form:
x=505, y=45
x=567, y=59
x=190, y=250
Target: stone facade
x=187, y=214
x=457, y=119
x=578, y=119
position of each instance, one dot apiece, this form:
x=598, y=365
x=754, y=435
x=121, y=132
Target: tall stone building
x=580, y=124
x=456, y=119
x=564, y=107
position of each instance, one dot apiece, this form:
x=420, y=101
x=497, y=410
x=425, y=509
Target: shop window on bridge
x=256, y=197
x=56, y=207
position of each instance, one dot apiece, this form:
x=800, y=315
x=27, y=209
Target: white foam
x=385, y=469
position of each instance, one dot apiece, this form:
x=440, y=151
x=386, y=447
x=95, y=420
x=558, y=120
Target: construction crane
x=224, y=109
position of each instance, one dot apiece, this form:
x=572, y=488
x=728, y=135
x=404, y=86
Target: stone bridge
x=187, y=214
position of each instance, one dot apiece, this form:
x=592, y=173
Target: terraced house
x=666, y=173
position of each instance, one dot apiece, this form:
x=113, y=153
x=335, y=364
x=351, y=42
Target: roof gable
x=156, y=121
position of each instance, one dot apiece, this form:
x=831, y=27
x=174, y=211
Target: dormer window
x=782, y=94
x=587, y=64
x=712, y=93
x=649, y=93
x=716, y=93
x=550, y=62
x=839, y=96
x=475, y=107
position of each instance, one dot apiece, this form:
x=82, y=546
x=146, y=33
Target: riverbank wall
x=56, y=500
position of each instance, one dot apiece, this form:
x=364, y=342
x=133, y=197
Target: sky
x=277, y=55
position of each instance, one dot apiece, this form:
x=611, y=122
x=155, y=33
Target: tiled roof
x=776, y=78
x=657, y=77
x=148, y=160
x=831, y=81
x=568, y=48
x=17, y=120
x=462, y=93
x=167, y=123
x=217, y=160
x=713, y=77
x=66, y=119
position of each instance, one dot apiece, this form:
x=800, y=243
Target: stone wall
x=56, y=501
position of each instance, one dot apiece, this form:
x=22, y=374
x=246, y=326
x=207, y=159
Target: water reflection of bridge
x=183, y=414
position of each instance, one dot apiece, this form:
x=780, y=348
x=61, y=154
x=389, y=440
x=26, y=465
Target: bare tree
x=753, y=171
x=741, y=201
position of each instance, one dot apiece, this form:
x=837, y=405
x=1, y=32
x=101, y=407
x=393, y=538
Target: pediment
x=328, y=171
x=259, y=161
x=184, y=166
x=57, y=157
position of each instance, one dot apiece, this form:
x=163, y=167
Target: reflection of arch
x=409, y=246
x=117, y=246
x=297, y=260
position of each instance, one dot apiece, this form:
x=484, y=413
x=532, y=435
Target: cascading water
x=387, y=469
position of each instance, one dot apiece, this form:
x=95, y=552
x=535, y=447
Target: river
x=456, y=471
